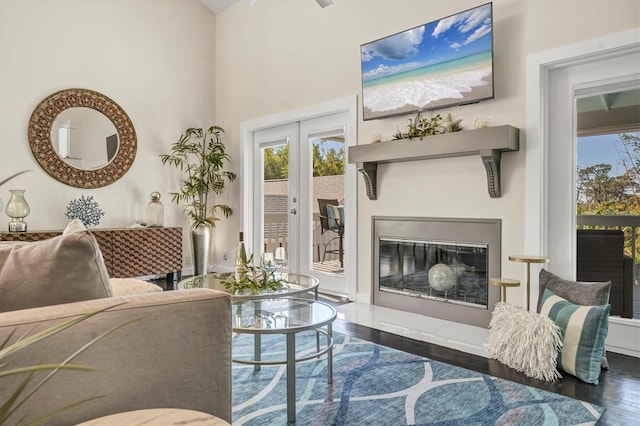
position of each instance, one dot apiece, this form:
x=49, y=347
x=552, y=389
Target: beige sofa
x=176, y=354
x=169, y=349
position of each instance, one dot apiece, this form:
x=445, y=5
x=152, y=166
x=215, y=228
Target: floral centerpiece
x=252, y=278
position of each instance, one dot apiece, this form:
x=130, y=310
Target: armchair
x=330, y=221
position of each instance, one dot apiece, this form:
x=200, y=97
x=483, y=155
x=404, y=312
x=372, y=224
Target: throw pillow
x=63, y=269
x=584, y=330
x=578, y=292
x=514, y=332
x=75, y=225
x=335, y=216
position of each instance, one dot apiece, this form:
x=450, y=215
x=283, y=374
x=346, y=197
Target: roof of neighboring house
x=276, y=192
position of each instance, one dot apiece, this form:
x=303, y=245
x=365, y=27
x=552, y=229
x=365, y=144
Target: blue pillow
x=584, y=330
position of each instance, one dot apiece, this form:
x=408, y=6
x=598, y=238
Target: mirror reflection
x=84, y=138
x=93, y=134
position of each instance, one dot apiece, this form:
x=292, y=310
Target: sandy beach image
x=439, y=64
x=462, y=81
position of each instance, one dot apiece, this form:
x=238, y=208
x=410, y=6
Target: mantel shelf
x=488, y=142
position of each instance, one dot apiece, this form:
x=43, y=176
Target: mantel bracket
x=370, y=174
x=491, y=161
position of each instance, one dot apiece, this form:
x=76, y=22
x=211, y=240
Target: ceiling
x=609, y=113
x=609, y=101
x=217, y=6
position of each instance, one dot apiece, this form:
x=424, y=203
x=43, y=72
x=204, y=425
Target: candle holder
x=17, y=209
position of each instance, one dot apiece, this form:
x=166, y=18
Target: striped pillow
x=584, y=329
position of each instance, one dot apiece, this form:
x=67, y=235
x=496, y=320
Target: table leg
x=291, y=377
x=317, y=333
x=330, y=356
x=528, y=284
x=257, y=350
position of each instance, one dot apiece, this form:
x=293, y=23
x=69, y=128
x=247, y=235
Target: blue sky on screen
x=457, y=36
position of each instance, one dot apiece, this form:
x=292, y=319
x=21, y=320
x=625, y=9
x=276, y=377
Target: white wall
x=158, y=61
x=284, y=54
x=155, y=58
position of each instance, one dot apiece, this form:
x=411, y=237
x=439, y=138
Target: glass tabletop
x=291, y=284
x=280, y=315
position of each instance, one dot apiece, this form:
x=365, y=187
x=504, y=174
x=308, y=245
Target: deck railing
x=276, y=232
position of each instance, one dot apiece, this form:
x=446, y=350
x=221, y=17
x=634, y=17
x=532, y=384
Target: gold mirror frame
x=40, y=138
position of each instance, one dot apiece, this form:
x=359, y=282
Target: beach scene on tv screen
x=446, y=62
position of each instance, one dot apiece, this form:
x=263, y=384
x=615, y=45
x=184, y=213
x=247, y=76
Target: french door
x=292, y=167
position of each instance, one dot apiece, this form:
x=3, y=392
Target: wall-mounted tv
x=440, y=64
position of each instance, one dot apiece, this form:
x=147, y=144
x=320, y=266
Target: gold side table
x=504, y=283
x=528, y=260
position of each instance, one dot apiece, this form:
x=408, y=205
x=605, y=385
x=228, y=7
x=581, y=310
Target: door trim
x=347, y=105
x=623, y=333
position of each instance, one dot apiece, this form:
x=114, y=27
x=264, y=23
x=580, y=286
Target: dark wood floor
x=618, y=391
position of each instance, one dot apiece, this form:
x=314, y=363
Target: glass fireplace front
x=452, y=272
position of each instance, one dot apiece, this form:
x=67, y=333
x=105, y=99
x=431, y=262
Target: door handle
x=293, y=211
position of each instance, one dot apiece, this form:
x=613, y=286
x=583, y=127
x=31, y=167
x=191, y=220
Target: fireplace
x=437, y=267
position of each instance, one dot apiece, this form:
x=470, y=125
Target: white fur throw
x=524, y=341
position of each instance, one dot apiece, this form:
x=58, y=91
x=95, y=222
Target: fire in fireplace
x=437, y=267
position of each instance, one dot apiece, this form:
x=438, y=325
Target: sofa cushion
x=75, y=225
x=584, y=330
x=122, y=286
x=63, y=269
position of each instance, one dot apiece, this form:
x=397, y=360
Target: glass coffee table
x=292, y=285
x=286, y=316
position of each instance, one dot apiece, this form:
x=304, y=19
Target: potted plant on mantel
x=201, y=155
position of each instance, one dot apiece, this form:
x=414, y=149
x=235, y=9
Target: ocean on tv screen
x=443, y=63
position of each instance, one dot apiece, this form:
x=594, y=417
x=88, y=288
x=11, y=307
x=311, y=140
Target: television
x=436, y=65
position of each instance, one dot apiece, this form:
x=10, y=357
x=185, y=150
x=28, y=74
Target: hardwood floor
x=618, y=391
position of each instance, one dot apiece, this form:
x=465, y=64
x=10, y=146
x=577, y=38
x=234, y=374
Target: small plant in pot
x=201, y=156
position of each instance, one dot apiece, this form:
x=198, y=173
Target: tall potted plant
x=201, y=155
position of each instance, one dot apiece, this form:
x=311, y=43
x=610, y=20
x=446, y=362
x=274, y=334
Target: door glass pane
x=275, y=160
x=608, y=196
x=328, y=203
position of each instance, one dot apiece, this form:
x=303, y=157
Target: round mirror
x=82, y=138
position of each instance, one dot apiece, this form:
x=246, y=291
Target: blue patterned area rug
x=376, y=385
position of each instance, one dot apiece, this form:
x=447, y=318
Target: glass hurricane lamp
x=17, y=209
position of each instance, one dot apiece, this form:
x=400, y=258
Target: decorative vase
x=442, y=277
x=201, y=237
x=17, y=209
x=155, y=211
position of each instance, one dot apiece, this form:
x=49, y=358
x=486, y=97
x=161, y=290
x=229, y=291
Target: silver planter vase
x=201, y=244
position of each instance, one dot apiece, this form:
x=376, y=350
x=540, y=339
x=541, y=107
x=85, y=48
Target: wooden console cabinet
x=128, y=252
